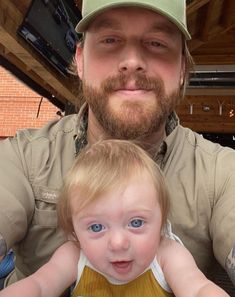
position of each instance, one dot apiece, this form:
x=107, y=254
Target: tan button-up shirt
x=199, y=173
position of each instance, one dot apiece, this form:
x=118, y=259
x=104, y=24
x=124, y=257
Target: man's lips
x=131, y=92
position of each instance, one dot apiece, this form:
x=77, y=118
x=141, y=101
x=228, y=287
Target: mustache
x=117, y=82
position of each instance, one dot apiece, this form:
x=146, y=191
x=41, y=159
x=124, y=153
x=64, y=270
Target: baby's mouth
x=122, y=266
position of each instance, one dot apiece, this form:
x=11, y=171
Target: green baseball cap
x=174, y=10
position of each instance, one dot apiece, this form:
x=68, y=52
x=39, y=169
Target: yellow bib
x=93, y=284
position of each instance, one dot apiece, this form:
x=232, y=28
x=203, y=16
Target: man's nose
x=118, y=241
x=132, y=59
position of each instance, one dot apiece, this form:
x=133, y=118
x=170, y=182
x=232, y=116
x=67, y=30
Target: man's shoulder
x=33, y=145
x=64, y=126
x=197, y=140
x=203, y=148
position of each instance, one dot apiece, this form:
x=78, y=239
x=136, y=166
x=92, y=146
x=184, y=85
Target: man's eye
x=136, y=223
x=109, y=40
x=96, y=227
x=154, y=43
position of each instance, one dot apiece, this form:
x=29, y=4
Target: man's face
x=132, y=67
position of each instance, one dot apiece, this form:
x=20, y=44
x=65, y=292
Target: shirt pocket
x=45, y=212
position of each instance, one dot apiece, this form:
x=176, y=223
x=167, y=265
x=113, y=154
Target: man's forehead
x=113, y=18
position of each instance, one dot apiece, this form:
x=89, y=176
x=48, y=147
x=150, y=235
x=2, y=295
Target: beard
x=134, y=119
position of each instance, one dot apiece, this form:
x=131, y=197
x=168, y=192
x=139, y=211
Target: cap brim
x=85, y=22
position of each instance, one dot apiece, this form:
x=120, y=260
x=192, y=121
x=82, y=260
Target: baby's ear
x=72, y=237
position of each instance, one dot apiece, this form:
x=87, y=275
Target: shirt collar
x=82, y=124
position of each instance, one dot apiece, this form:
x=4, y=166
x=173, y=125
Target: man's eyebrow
x=110, y=23
x=105, y=23
x=164, y=28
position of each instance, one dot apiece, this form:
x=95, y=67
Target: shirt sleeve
x=222, y=225
x=16, y=195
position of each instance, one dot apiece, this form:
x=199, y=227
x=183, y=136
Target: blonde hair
x=102, y=167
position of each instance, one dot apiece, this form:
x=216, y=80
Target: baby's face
x=120, y=231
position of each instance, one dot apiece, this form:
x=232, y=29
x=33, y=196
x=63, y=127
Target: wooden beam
x=22, y=5
x=217, y=120
x=194, y=43
x=208, y=21
x=210, y=91
x=214, y=20
x=198, y=42
x=195, y=5
x=30, y=73
x=207, y=59
x=10, y=20
x=228, y=14
x=209, y=127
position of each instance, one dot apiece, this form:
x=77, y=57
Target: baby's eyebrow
x=90, y=216
x=139, y=209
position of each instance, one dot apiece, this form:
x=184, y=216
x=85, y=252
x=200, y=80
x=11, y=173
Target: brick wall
x=21, y=107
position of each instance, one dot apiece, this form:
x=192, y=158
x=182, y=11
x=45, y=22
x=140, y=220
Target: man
x=133, y=63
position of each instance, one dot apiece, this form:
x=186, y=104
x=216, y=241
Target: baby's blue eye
x=96, y=227
x=136, y=223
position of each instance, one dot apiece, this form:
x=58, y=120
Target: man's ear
x=79, y=61
x=182, y=71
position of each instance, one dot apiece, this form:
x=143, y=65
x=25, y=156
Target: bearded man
x=133, y=63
